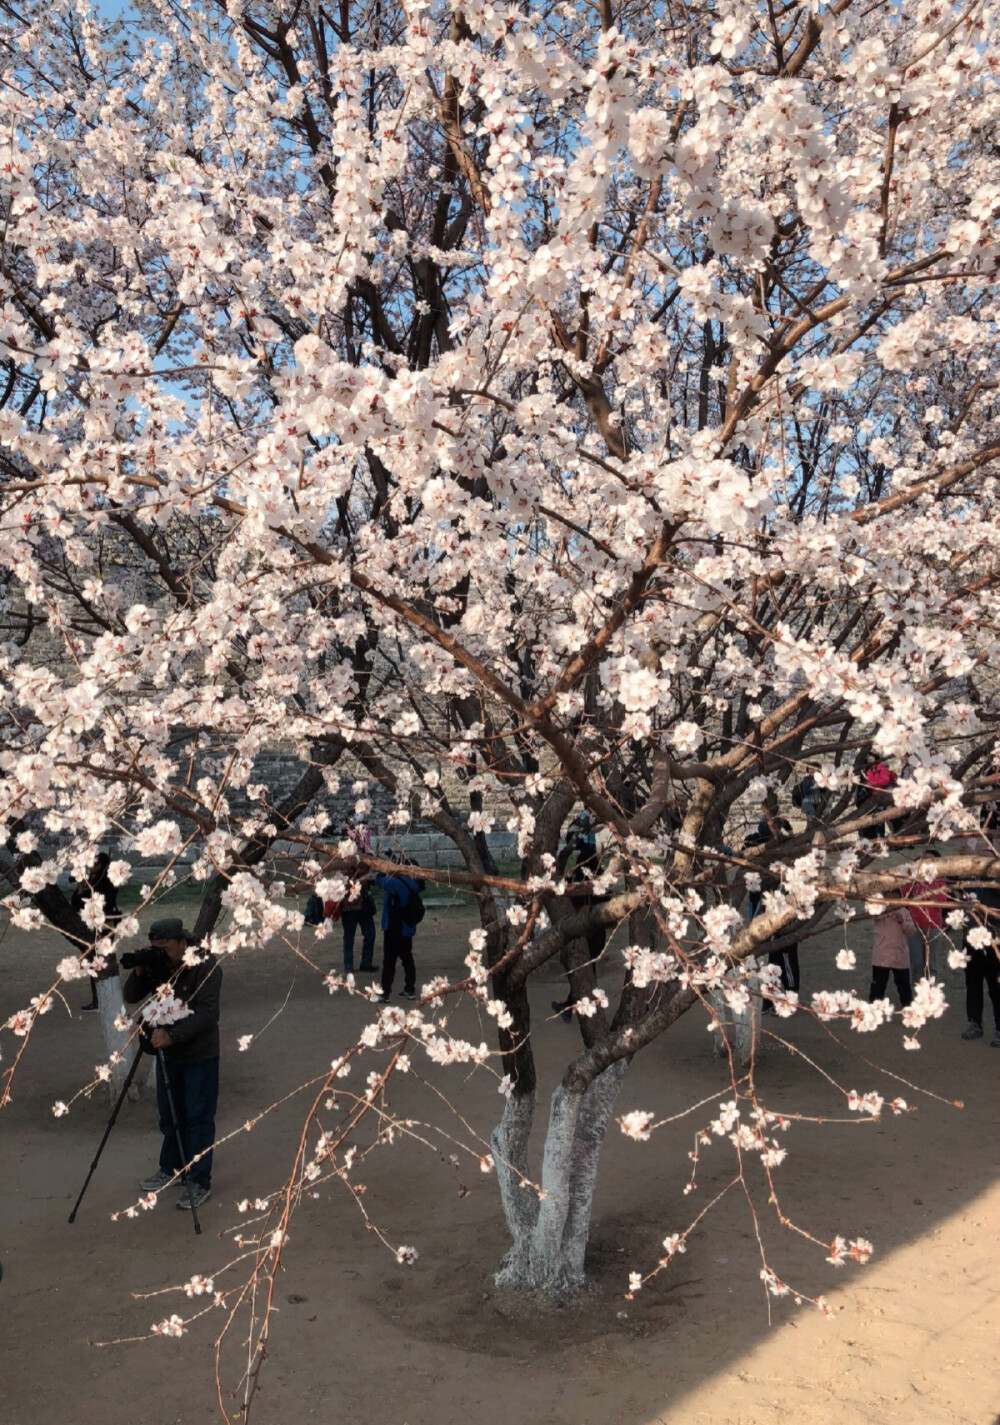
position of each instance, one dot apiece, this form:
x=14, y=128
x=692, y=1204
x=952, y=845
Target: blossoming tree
x=548, y=408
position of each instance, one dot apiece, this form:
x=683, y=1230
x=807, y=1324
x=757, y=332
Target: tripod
x=111, y=1123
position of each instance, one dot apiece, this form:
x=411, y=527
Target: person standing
x=189, y=1061
x=875, y=791
x=982, y=968
x=98, y=883
x=581, y=842
x=787, y=957
x=359, y=911
x=776, y=831
x=891, y=955
x=787, y=961
x=402, y=911
x=928, y=897
x=808, y=796
x=313, y=914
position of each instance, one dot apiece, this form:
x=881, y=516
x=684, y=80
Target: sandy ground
x=359, y=1339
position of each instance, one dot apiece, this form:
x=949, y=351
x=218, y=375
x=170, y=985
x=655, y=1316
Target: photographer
x=189, y=1057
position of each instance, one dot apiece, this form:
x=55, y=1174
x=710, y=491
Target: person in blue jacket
x=400, y=901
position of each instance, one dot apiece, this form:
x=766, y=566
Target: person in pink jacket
x=890, y=953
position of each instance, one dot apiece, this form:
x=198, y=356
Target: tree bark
x=738, y=1029
x=549, y=1237
x=116, y=1041
x=509, y=1142
x=592, y=1125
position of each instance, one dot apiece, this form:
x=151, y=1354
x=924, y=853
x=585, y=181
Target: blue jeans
x=351, y=919
x=195, y=1088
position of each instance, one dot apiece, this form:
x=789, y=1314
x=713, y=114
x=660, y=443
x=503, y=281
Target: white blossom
x=636, y=1124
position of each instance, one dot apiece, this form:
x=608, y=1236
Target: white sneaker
x=156, y=1180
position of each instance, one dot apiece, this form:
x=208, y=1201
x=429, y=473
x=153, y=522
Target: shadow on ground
x=359, y=1338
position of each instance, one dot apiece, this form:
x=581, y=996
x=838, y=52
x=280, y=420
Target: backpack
x=314, y=910
x=415, y=908
x=412, y=911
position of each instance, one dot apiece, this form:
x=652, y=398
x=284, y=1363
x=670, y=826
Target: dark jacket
x=195, y=1037
x=98, y=884
x=398, y=891
x=987, y=897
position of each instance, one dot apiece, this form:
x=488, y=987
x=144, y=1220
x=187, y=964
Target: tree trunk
x=592, y=1125
x=509, y=1142
x=116, y=1041
x=549, y=1237
x=739, y=1029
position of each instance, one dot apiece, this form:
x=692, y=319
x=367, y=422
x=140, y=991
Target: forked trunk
x=549, y=1236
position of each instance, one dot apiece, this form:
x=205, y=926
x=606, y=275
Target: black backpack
x=410, y=912
x=415, y=908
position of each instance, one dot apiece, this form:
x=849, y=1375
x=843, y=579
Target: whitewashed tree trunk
x=509, y=1142
x=739, y=1028
x=116, y=1041
x=549, y=1237
x=592, y=1125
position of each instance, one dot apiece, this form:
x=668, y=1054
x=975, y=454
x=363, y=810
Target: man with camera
x=187, y=1055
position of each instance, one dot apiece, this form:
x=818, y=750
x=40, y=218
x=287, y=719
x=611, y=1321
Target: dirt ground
x=360, y=1339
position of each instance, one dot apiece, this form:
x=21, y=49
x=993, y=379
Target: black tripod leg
x=177, y=1132
x=107, y=1132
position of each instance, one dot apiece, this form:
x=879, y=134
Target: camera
x=152, y=960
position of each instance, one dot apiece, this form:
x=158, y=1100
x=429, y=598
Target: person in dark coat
x=190, y=1058
x=581, y=842
x=98, y=883
x=399, y=925
x=358, y=913
x=982, y=970
x=787, y=958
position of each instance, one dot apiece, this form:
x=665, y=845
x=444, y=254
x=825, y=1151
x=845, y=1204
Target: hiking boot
x=974, y=1031
x=156, y=1180
x=193, y=1196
